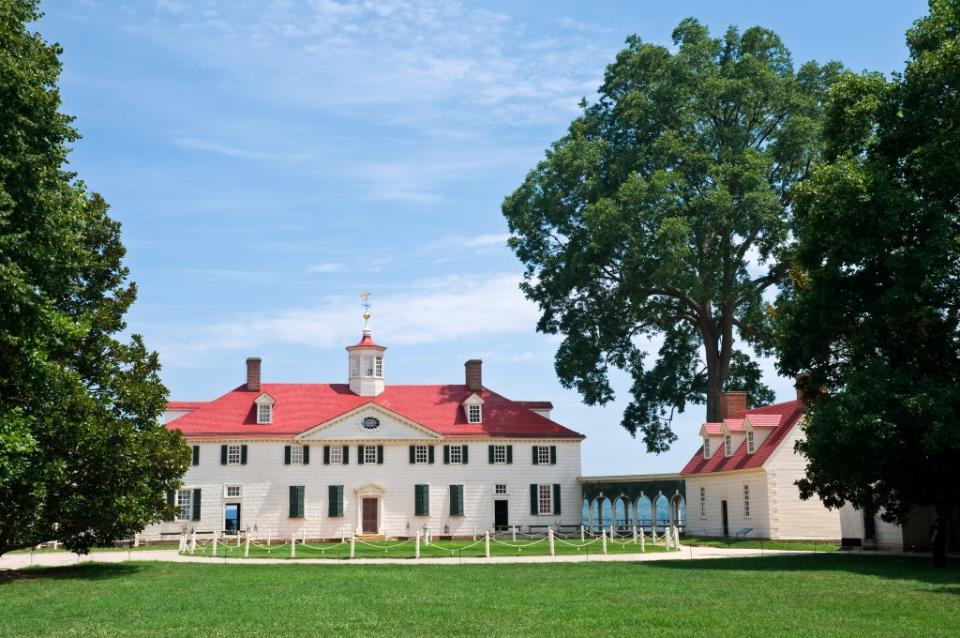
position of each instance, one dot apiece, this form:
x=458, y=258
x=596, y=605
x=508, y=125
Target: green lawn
x=753, y=543
x=808, y=595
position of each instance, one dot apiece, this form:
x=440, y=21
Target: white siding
x=728, y=486
x=266, y=481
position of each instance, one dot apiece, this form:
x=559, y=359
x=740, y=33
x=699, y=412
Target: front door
x=231, y=518
x=370, y=515
x=723, y=518
x=500, y=515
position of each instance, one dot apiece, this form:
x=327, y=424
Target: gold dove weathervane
x=365, y=295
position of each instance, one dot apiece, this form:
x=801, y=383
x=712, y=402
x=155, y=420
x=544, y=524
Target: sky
x=270, y=160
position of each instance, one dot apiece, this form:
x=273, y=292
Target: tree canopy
x=661, y=216
x=873, y=316
x=83, y=456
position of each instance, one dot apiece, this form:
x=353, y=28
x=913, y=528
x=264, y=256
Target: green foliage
x=663, y=214
x=83, y=458
x=874, y=315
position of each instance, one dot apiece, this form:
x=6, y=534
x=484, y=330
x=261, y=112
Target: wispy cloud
x=327, y=267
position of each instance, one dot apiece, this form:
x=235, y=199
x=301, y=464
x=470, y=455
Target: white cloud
x=488, y=240
x=327, y=267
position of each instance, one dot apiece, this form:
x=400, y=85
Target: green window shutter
x=456, y=500
x=335, y=500
x=463, y=453
x=196, y=505
x=380, y=454
x=536, y=457
x=490, y=453
x=509, y=454
x=243, y=455
x=339, y=500
x=553, y=455
x=534, y=500
x=286, y=455
x=306, y=455
x=196, y=455
x=359, y=455
x=556, y=498
x=223, y=455
x=421, y=495
x=326, y=455
x=446, y=454
x=296, y=501
x=346, y=454
x=430, y=454
x=413, y=454
x=171, y=500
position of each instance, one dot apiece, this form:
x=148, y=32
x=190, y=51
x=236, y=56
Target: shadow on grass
x=86, y=571
x=893, y=567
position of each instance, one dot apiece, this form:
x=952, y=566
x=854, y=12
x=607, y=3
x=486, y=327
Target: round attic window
x=370, y=423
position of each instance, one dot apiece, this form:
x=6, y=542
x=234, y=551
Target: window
x=746, y=501
x=334, y=500
x=296, y=455
x=233, y=455
x=727, y=447
x=421, y=500
x=264, y=413
x=421, y=455
x=296, y=501
x=706, y=447
x=543, y=454
x=545, y=499
x=703, y=502
x=750, y=441
x=379, y=367
x=501, y=488
x=367, y=367
x=184, y=505
x=456, y=454
x=232, y=491
x=473, y=414
x=370, y=423
x=456, y=500
x=499, y=454
x=354, y=367
x=369, y=454
x=336, y=454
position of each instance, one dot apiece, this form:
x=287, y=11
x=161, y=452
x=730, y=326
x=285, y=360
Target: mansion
x=365, y=457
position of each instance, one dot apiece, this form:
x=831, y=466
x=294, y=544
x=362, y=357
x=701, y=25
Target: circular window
x=370, y=423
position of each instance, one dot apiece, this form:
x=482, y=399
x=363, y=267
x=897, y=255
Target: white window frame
x=227, y=488
x=370, y=454
x=545, y=499
x=336, y=455
x=499, y=454
x=706, y=447
x=367, y=366
x=727, y=445
x=543, y=455
x=456, y=454
x=378, y=366
x=703, y=502
x=474, y=413
x=233, y=455
x=184, y=504
x=751, y=446
x=355, y=366
x=746, y=501
x=421, y=454
x=296, y=455
x=500, y=489
x=264, y=413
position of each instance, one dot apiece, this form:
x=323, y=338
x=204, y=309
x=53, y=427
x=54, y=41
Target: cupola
x=365, y=359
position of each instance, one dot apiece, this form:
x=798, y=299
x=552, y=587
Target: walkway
x=52, y=559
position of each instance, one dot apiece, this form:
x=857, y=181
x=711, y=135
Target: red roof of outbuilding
x=301, y=406
x=789, y=413
x=184, y=405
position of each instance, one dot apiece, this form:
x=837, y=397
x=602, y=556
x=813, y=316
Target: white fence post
x=193, y=541
x=136, y=539
x=353, y=546
x=246, y=547
x=269, y=534
x=214, y=552
x=486, y=544
x=293, y=545
x=550, y=538
x=474, y=534
x=634, y=533
x=676, y=538
x=603, y=535
x=643, y=544
x=612, y=532
x=581, y=533
x=513, y=531
x=416, y=547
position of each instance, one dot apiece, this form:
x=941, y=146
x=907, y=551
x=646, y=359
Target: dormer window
x=473, y=414
x=706, y=447
x=750, y=447
x=264, y=404
x=473, y=407
x=727, y=445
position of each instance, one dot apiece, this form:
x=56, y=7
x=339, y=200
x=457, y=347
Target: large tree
x=83, y=456
x=875, y=312
x=662, y=214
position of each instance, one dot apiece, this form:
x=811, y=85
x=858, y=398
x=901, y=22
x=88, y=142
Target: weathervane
x=365, y=295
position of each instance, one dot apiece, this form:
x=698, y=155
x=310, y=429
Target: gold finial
x=365, y=295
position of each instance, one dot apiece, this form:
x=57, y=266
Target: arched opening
x=606, y=512
x=595, y=513
x=620, y=513
x=644, y=512
x=585, y=514
x=678, y=511
x=661, y=511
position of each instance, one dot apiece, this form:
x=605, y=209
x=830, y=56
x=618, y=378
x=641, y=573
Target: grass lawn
x=753, y=543
x=804, y=595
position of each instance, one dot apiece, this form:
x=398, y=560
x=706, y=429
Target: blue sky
x=270, y=160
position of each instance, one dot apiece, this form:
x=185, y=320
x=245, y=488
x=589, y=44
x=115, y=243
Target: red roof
x=535, y=405
x=184, y=405
x=367, y=342
x=302, y=406
x=789, y=414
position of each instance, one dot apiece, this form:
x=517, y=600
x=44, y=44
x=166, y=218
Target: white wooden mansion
x=367, y=457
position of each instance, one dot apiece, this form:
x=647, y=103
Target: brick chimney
x=732, y=403
x=253, y=374
x=474, y=374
